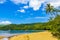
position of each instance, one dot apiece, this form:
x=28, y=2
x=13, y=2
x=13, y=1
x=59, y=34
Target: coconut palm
x=52, y=11
x=49, y=8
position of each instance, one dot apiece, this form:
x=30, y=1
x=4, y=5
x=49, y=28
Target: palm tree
x=49, y=8
x=52, y=11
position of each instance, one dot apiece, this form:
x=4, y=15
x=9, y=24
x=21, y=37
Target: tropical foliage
x=55, y=24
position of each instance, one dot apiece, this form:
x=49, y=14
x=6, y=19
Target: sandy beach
x=34, y=36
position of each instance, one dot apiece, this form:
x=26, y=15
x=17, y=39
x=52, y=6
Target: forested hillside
x=34, y=26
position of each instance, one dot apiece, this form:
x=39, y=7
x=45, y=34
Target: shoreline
x=46, y=35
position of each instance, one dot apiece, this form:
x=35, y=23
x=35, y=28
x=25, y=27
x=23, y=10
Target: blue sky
x=22, y=11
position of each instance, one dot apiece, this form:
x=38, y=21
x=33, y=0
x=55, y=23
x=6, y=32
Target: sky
x=24, y=11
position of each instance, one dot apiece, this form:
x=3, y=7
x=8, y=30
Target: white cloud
x=26, y=7
x=35, y=4
x=22, y=10
x=2, y=1
x=5, y=22
x=20, y=1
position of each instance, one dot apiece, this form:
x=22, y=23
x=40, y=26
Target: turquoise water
x=19, y=31
x=25, y=31
x=9, y=33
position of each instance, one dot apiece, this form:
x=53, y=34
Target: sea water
x=9, y=33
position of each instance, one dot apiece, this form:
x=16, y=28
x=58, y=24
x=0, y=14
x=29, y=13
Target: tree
x=49, y=9
x=54, y=24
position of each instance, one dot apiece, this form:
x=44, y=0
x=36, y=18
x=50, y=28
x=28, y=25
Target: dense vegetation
x=54, y=25
x=33, y=26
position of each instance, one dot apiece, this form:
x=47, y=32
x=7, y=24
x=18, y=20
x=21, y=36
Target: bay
x=8, y=33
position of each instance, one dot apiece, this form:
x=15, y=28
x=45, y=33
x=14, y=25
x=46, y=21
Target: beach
x=46, y=35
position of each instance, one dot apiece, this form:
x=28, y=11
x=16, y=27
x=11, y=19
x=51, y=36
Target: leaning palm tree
x=52, y=11
x=49, y=8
